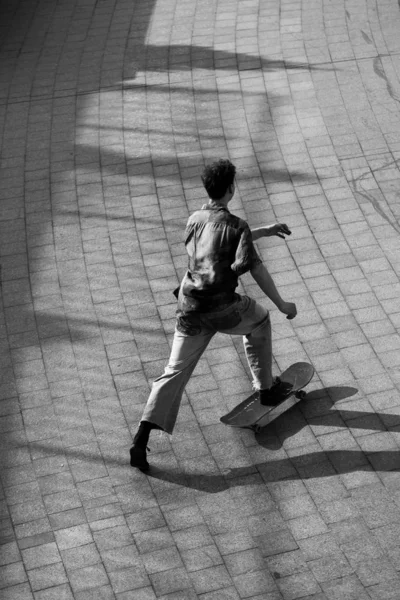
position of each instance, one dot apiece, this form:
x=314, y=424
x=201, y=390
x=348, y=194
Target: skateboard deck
x=253, y=415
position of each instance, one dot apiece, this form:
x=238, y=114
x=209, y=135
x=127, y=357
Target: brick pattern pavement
x=108, y=110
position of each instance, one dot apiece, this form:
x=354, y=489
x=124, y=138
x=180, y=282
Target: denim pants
x=192, y=335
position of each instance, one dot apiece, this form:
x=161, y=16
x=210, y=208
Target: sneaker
x=138, y=458
x=275, y=394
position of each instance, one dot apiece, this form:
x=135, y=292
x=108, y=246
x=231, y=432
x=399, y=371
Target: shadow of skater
x=314, y=465
x=316, y=409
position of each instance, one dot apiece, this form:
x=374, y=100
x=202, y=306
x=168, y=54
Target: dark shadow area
x=316, y=408
x=187, y=57
x=16, y=17
x=54, y=328
x=335, y=393
x=314, y=465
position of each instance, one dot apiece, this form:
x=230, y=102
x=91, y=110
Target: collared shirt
x=220, y=249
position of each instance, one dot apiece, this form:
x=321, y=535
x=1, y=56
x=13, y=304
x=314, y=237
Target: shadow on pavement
x=174, y=57
x=314, y=465
x=309, y=465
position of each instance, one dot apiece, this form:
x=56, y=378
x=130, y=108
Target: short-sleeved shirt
x=220, y=249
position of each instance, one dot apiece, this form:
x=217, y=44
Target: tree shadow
x=174, y=57
x=53, y=328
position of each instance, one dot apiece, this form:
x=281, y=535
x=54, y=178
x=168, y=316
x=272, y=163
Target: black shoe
x=138, y=458
x=275, y=394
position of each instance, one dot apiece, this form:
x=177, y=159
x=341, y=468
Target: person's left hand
x=279, y=229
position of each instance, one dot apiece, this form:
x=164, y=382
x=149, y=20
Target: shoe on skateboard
x=276, y=394
x=288, y=389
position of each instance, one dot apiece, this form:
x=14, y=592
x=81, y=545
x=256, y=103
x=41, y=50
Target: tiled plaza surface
x=108, y=111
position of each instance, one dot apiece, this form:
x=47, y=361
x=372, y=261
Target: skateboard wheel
x=301, y=395
x=256, y=428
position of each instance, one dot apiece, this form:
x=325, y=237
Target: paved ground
x=108, y=110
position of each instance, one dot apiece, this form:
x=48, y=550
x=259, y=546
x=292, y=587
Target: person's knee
x=171, y=370
x=263, y=329
x=180, y=368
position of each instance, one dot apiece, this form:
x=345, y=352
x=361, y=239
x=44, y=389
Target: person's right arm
x=263, y=278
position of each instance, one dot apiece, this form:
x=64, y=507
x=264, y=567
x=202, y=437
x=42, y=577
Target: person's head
x=219, y=178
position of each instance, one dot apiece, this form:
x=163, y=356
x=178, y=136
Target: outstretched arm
x=279, y=229
x=261, y=276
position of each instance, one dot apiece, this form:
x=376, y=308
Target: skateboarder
x=220, y=249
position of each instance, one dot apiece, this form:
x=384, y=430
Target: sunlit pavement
x=108, y=111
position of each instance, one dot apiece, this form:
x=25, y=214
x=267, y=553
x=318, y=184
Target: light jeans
x=192, y=335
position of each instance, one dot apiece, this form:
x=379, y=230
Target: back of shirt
x=220, y=249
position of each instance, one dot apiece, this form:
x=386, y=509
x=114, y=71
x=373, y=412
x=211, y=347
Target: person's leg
x=165, y=397
x=255, y=326
x=258, y=348
x=253, y=323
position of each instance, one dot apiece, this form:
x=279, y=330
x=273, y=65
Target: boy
x=220, y=249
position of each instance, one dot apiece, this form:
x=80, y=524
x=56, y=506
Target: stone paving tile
x=60, y=591
x=107, y=113
x=47, y=576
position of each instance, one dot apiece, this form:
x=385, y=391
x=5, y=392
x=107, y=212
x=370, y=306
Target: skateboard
x=251, y=414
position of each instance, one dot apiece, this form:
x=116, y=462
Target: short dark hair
x=217, y=177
